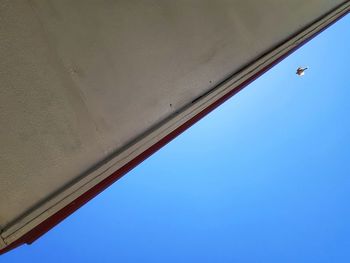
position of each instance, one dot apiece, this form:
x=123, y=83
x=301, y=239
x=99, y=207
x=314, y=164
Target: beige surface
x=82, y=79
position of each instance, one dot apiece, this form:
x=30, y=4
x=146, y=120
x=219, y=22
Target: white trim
x=2, y=243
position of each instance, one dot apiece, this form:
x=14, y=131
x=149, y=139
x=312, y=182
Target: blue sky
x=264, y=178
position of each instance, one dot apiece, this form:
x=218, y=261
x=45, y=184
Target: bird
x=301, y=71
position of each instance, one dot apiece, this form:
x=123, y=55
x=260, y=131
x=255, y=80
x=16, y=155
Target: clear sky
x=264, y=178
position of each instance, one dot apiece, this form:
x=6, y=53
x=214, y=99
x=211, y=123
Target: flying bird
x=301, y=71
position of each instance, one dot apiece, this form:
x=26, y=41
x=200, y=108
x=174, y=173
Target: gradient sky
x=264, y=178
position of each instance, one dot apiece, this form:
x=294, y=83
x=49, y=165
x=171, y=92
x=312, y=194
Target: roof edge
x=56, y=218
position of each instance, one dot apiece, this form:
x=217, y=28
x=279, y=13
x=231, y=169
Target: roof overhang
x=85, y=141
